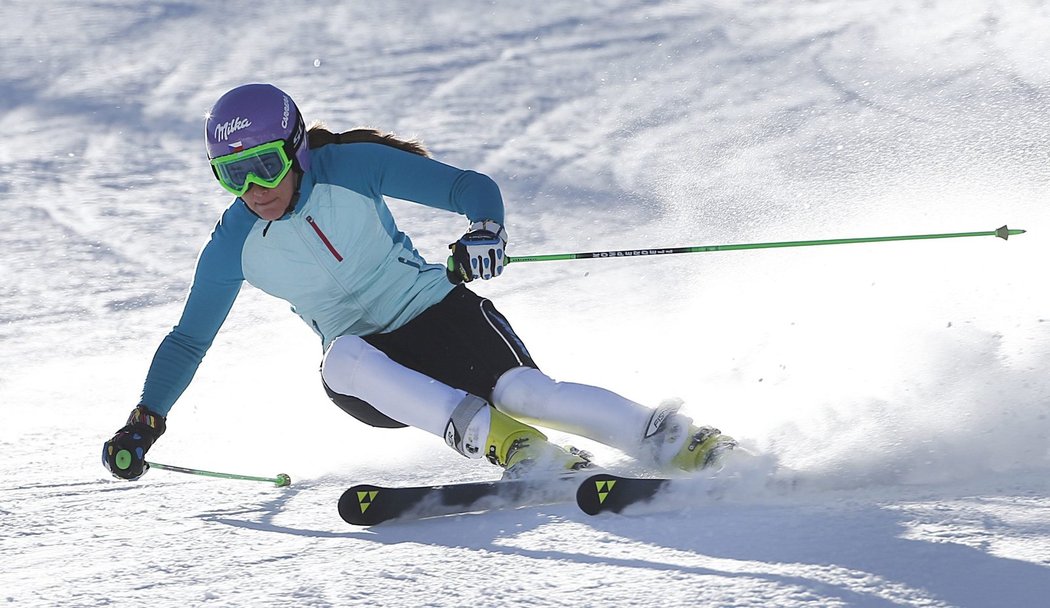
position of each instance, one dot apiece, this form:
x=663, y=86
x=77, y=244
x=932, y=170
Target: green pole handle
x=280, y=481
x=1003, y=233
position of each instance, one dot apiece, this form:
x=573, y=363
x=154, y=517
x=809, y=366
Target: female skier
x=405, y=343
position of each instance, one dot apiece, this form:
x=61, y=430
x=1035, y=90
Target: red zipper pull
x=324, y=239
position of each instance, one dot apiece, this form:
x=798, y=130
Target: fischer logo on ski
x=595, y=495
x=365, y=499
x=604, y=487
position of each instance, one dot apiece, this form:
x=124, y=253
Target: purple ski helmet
x=254, y=114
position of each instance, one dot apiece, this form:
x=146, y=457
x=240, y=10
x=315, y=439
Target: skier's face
x=271, y=203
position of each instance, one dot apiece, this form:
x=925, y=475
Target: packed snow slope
x=902, y=387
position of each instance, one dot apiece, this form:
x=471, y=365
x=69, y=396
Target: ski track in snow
x=903, y=384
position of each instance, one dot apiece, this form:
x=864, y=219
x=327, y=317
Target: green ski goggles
x=265, y=165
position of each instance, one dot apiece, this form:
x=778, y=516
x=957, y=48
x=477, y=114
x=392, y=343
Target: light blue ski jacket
x=338, y=258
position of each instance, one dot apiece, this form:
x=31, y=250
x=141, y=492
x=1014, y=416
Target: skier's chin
x=270, y=211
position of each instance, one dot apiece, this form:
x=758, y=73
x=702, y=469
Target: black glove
x=478, y=254
x=125, y=454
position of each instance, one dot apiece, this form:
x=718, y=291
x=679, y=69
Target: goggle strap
x=291, y=145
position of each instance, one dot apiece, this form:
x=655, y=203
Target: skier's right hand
x=478, y=254
x=125, y=454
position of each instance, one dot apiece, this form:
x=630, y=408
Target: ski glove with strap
x=125, y=454
x=478, y=254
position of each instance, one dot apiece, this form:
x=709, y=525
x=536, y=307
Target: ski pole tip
x=1004, y=232
x=283, y=480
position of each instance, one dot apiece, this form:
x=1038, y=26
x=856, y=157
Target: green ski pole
x=281, y=480
x=1003, y=233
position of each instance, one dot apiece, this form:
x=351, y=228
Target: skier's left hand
x=125, y=454
x=478, y=254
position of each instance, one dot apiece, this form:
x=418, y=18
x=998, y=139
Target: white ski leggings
x=355, y=368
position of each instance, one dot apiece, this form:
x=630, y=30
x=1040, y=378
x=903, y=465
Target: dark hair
x=319, y=135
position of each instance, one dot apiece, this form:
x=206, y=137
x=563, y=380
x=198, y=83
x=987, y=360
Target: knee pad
x=341, y=363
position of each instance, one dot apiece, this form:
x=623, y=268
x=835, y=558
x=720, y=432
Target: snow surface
x=904, y=384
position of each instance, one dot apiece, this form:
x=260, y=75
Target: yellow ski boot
x=672, y=441
x=705, y=447
x=523, y=451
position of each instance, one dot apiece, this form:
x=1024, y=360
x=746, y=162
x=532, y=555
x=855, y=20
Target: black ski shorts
x=462, y=341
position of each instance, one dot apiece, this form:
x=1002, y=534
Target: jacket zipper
x=324, y=239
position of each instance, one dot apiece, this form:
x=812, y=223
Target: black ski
x=604, y=492
x=367, y=505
